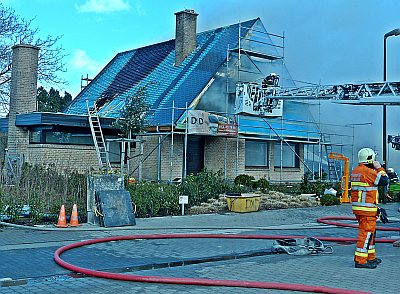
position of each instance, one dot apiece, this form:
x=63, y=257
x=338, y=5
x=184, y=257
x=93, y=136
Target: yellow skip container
x=243, y=202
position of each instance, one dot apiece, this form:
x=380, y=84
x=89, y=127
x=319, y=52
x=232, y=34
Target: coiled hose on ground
x=210, y=282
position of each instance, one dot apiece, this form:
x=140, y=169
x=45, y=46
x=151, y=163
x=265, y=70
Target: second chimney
x=185, y=35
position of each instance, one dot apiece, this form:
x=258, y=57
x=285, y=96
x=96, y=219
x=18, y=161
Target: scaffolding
x=181, y=128
x=244, y=52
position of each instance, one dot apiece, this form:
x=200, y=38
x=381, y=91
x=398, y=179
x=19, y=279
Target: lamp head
x=394, y=32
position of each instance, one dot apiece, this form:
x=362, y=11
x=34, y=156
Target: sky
x=326, y=41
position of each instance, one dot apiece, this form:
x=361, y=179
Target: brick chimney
x=24, y=75
x=185, y=35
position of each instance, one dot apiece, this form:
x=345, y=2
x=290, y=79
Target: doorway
x=195, y=154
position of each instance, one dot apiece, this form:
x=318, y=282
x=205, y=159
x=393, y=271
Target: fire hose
x=213, y=282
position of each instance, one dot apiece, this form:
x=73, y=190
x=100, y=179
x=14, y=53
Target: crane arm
x=257, y=99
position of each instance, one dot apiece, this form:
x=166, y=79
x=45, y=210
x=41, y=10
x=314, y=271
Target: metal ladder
x=98, y=138
x=333, y=174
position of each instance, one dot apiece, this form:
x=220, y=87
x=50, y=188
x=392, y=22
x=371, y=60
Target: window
x=44, y=136
x=256, y=153
x=289, y=158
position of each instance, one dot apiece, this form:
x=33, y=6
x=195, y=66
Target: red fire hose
x=326, y=220
x=208, y=282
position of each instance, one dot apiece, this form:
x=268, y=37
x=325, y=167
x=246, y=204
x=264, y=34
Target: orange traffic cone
x=73, y=222
x=62, y=221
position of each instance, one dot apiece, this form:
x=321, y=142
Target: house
x=193, y=84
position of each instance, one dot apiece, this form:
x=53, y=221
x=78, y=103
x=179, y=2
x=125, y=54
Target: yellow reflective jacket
x=364, y=189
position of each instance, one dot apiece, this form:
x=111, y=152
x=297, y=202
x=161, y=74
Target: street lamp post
x=394, y=32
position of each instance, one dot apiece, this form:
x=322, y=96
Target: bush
x=262, y=184
x=152, y=199
x=286, y=188
x=205, y=185
x=308, y=186
x=44, y=189
x=329, y=200
x=245, y=180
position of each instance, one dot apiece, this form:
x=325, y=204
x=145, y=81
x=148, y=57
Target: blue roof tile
x=153, y=66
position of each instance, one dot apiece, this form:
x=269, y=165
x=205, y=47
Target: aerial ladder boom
x=346, y=176
x=259, y=99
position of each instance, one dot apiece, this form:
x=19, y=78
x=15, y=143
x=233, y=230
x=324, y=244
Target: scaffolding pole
x=226, y=108
x=237, y=149
x=239, y=45
x=159, y=158
x=186, y=141
x=172, y=142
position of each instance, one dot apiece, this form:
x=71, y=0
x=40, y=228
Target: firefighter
x=365, y=179
x=393, y=177
x=271, y=80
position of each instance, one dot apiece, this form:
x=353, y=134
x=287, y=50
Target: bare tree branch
x=16, y=30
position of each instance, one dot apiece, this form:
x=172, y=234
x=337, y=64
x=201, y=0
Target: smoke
x=330, y=42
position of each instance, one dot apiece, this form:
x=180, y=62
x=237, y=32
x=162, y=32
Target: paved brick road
x=26, y=255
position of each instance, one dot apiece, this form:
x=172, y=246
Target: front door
x=195, y=154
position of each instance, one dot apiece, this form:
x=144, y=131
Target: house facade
x=203, y=90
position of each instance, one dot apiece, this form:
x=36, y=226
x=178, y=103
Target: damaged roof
x=153, y=66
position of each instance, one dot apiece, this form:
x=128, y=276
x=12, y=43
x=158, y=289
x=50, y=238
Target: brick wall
x=150, y=166
x=215, y=154
x=74, y=157
x=185, y=35
x=83, y=158
x=272, y=173
x=22, y=94
x=214, y=159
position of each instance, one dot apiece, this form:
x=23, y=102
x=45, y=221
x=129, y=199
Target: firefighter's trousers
x=365, y=248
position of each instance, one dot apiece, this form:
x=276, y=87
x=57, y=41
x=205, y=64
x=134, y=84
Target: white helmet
x=390, y=170
x=366, y=155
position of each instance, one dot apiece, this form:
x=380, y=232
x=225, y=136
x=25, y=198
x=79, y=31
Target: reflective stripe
x=360, y=193
x=378, y=177
x=371, y=251
x=359, y=184
x=366, y=241
x=364, y=204
x=362, y=250
x=361, y=254
x=358, y=208
x=364, y=188
x=372, y=247
x=364, y=197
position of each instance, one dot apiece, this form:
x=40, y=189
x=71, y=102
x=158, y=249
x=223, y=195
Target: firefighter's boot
x=365, y=265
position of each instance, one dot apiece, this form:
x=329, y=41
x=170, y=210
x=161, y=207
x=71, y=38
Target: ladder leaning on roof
x=333, y=173
x=98, y=138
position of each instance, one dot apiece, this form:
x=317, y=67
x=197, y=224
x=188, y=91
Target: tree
x=52, y=101
x=134, y=115
x=15, y=30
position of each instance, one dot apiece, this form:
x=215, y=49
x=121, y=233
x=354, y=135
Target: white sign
x=183, y=199
x=253, y=99
x=202, y=122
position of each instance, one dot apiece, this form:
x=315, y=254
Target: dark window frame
x=296, y=148
x=266, y=165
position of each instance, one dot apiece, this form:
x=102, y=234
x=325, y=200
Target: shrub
x=244, y=180
x=44, y=189
x=293, y=189
x=317, y=187
x=328, y=200
x=205, y=185
x=152, y=199
x=262, y=184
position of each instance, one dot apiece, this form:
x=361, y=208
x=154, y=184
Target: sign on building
x=252, y=98
x=202, y=122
